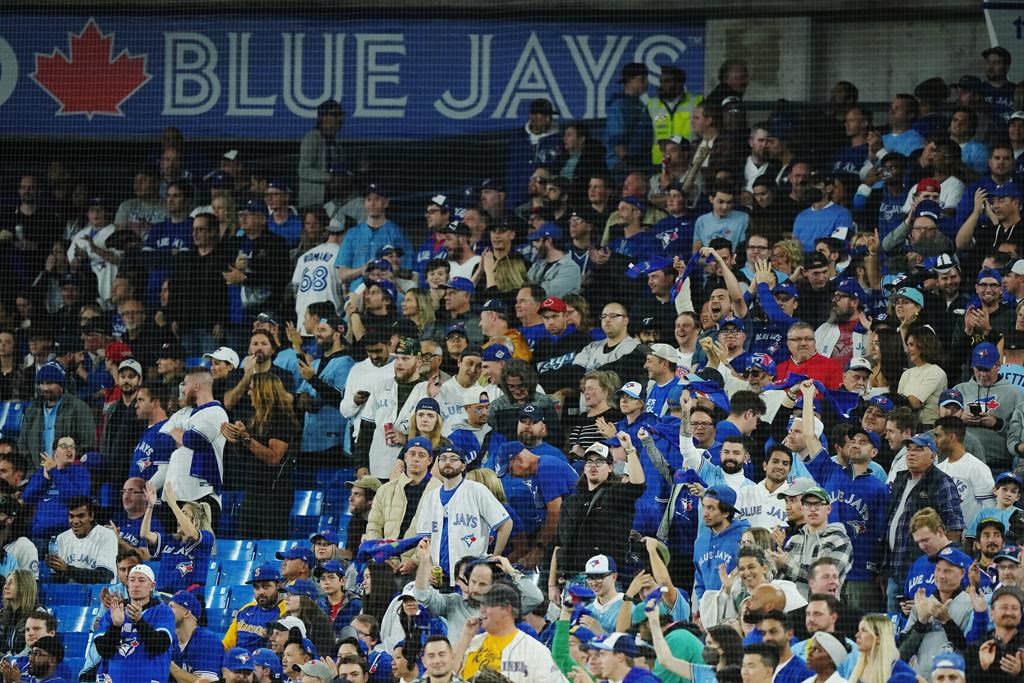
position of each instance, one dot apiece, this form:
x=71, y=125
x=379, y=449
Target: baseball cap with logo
x=315, y=669
x=553, y=303
x=955, y=557
x=910, y=294
x=985, y=356
x=143, y=569
x=733, y=321
x=265, y=657
x=622, y=643
x=546, y=230
x=760, y=361
x=601, y=564
x=187, y=601
x=600, y=450
x=496, y=352
x=297, y=552
x=287, y=624
x=265, y=572
x=1009, y=477
x=949, y=660
x=951, y=397
x=924, y=440
x=633, y=390
x=531, y=412
x=407, y=346
x=859, y=363
x=237, y=659
x=461, y=284
x=945, y=263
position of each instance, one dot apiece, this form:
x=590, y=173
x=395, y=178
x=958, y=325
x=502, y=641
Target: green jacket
x=74, y=419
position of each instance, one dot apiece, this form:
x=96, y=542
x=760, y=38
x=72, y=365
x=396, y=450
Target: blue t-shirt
x=812, y=224
x=153, y=449
x=131, y=663
x=1013, y=373
x=851, y=159
x=657, y=395
x=167, y=236
x=128, y=529
x=326, y=427
x=362, y=243
x=732, y=227
x=290, y=230
x=639, y=247
x=554, y=479
x=534, y=333
x=183, y=563
x=202, y=656
x=906, y=143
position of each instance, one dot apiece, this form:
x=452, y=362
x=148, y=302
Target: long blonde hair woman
x=879, y=660
x=226, y=211
x=20, y=600
x=489, y=478
x=419, y=306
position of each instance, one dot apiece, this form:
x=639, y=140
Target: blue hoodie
x=711, y=550
x=50, y=497
x=651, y=505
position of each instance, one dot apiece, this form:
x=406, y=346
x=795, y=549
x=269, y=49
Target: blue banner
x=263, y=77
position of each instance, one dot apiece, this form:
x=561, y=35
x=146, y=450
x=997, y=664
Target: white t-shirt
x=974, y=483
x=759, y=507
x=25, y=553
x=950, y=191
x=104, y=271
x=466, y=269
x=98, y=549
x=316, y=279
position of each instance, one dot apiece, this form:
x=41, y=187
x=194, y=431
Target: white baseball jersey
x=363, y=376
x=759, y=507
x=98, y=549
x=104, y=271
x=452, y=397
x=204, y=422
x=316, y=280
x=466, y=521
x=381, y=408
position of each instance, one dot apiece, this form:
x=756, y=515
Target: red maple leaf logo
x=92, y=81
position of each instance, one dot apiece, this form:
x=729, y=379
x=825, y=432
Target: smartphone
x=975, y=409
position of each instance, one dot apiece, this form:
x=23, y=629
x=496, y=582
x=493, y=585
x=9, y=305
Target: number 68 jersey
x=315, y=280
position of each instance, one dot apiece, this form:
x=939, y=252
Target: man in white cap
x=661, y=364
x=824, y=655
x=134, y=637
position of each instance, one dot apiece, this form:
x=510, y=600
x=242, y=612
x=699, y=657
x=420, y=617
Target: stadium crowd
x=684, y=398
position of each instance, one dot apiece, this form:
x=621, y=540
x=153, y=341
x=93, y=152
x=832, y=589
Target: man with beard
x=777, y=631
x=989, y=401
x=760, y=504
x=596, y=518
x=324, y=427
x=196, y=651
x=86, y=553
x=997, y=659
x=249, y=627
x=360, y=500
x=717, y=542
x=554, y=269
x=366, y=373
x=475, y=579
x=459, y=517
x=697, y=458
x=532, y=430
x=461, y=258
x=123, y=428
x=388, y=409
x=196, y=470
x=842, y=337
x=260, y=359
x=153, y=451
x=44, y=659
x=991, y=536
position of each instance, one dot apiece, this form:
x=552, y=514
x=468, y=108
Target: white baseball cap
x=132, y=365
x=143, y=569
x=226, y=354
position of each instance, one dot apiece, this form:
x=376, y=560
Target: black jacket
x=596, y=523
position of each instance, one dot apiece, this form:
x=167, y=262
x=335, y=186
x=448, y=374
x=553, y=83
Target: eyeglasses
x=433, y=211
x=989, y=285
x=516, y=387
x=729, y=331
x=65, y=444
x=801, y=340
x=702, y=425
x=449, y=458
x=813, y=504
x=612, y=316
x=595, y=578
x=595, y=463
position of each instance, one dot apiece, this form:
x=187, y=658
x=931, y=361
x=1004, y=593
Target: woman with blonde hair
x=598, y=387
x=191, y=544
x=425, y=421
x=879, y=660
x=264, y=445
x=20, y=600
x=226, y=211
x=419, y=306
x=489, y=478
x=787, y=256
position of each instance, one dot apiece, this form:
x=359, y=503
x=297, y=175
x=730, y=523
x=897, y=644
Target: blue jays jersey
x=183, y=563
x=131, y=663
x=153, y=449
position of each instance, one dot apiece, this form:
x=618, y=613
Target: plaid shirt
x=936, y=490
x=804, y=548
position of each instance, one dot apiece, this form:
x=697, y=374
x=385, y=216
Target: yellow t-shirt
x=489, y=655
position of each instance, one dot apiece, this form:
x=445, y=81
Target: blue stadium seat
x=110, y=496
x=238, y=596
x=195, y=362
x=213, y=573
x=231, y=502
x=235, y=573
x=217, y=597
x=307, y=503
x=267, y=549
x=74, y=644
x=234, y=549
x=94, y=594
x=71, y=618
x=304, y=526
x=71, y=594
x=219, y=620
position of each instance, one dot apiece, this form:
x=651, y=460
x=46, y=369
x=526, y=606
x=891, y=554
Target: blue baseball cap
x=1010, y=477
x=633, y=390
x=733, y=320
x=850, y=287
x=238, y=659
x=984, y=356
x=636, y=203
x=651, y=265
x=265, y=657
x=421, y=441
x=1008, y=189
x=298, y=552
x=427, y=403
x=50, y=373
x=496, y=352
x=989, y=272
x=265, y=572
x=388, y=287
x=1009, y=552
x=723, y=494
x=302, y=587
x=546, y=230
x=375, y=188
x=786, y=289
x=255, y=206
x=455, y=328
x=390, y=249
x=760, y=361
x=582, y=633
x=955, y=556
x=532, y=412
x=331, y=537
x=924, y=439
x=460, y=283
x=951, y=396
x=448, y=448
x=883, y=403
x=380, y=264
x=189, y=602
x=910, y=294
x=330, y=567
x=623, y=643
x=675, y=396
x=504, y=455
x=928, y=208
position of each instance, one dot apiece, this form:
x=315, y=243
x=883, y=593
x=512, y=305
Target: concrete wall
x=800, y=58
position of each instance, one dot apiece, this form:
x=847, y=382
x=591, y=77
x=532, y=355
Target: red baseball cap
x=928, y=185
x=117, y=352
x=553, y=303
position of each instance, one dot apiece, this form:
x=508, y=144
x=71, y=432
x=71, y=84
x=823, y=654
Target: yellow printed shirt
x=249, y=628
x=488, y=655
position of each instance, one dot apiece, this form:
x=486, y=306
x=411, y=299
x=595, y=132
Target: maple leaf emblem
x=91, y=81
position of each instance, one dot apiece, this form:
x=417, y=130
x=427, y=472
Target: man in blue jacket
x=628, y=128
x=718, y=543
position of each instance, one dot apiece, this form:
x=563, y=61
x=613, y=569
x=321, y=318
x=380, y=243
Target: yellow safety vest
x=667, y=122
